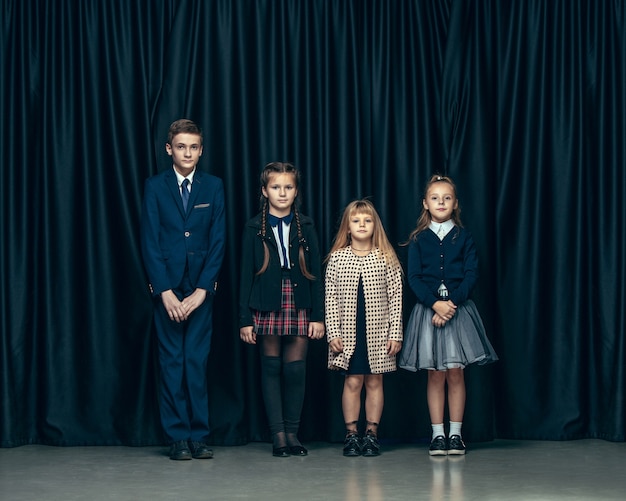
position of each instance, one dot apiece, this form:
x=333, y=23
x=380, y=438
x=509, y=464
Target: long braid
x=278, y=168
x=266, y=250
x=301, y=240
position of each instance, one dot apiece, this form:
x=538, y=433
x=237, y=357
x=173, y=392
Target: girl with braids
x=445, y=332
x=281, y=300
x=364, y=319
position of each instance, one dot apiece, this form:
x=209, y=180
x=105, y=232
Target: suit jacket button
x=187, y=233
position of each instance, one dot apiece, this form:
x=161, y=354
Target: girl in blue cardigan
x=444, y=333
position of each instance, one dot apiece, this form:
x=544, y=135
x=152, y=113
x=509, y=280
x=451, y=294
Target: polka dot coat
x=382, y=285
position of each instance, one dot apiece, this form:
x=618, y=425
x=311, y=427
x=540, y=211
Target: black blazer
x=263, y=292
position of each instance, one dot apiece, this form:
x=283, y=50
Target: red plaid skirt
x=287, y=321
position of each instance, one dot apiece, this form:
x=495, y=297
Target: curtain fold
x=522, y=103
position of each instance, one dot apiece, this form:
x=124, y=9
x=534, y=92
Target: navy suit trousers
x=183, y=354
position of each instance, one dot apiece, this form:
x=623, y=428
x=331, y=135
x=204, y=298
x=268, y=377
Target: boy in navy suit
x=182, y=242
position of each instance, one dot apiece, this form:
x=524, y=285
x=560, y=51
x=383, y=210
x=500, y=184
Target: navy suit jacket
x=173, y=239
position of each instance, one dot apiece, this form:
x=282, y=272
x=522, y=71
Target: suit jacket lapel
x=172, y=185
x=196, y=187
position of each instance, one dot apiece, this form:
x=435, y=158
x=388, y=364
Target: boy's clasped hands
x=179, y=311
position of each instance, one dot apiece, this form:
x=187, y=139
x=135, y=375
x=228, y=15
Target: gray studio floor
x=499, y=470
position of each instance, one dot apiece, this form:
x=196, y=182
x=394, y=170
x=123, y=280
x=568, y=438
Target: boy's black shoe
x=180, y=451
x=352, y=445
x=456, y=445
x=200, y=450
x=438, y=446
x=370, y=446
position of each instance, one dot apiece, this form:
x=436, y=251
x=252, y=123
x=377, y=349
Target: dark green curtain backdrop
x=521, y=102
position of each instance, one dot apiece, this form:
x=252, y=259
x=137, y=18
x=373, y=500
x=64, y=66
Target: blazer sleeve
x=150, y=228
x=217, y=240
x=470, y=271
x=317, y=285
x=418, y=285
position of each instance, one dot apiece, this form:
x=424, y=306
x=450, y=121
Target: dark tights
x=283, y=375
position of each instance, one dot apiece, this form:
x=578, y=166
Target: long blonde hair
x=425, y=218
x=282, y=168
x=379, y=237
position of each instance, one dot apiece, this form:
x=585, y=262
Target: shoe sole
x=351, y=454
x=456, y=452
x=203, y=456
x=437, y=453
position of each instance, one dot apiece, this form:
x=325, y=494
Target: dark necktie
x=278, y=221
x=184, y=193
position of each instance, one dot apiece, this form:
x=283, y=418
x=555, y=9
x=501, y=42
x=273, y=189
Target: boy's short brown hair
x=183, y=126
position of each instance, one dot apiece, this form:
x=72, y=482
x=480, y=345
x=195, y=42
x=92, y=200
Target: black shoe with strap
x=295, y=447
x=369, y=445
x=298, y=450
x=280, y=452
x=352, y=445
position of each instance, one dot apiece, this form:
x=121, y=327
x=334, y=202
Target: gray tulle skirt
x=459, y=343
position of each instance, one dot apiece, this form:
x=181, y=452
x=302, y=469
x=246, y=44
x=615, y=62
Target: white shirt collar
x=446, y=226
x=286, y=228
x=180, y=178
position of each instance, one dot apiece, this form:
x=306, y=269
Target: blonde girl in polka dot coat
x=363, y=299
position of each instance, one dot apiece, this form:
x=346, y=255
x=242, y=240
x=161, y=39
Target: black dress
x=359, y=363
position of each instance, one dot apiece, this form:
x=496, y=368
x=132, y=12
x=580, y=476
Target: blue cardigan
x=452, y=261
